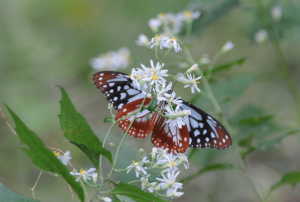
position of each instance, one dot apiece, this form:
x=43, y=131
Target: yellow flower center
x=155, y=77
x=172, y=164
x=56, y=153
x=188, y=14
x=174, y=39
x=82, y=171
x=135, y=163
x=197, y=81
x=129, y=75
x=158, y=37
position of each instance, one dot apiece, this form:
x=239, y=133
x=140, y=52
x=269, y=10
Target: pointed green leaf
x=290, y=178
x=228, y=65
x=255, y=120
x=77, y=130
x=10, y=196
x=41, y=156
x=134, y=193
x=213, y=167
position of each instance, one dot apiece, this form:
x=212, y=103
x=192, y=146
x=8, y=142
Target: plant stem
x=223, y=119
x=280, y=57
x=124, y=136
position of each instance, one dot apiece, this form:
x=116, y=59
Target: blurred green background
x=48, y=43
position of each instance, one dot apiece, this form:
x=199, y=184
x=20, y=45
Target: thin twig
x=12, y=129
x=33, y=188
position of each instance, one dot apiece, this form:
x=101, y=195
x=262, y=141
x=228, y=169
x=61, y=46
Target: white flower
x=261, y=36
x=112, y=60
x=160, y=41
x=162, y=91
x=154, y=24
x=146, y=184
x=169, y=182
x=188, y=16
x=139, y=169
x=65, y=158
x=154, y=74
x=94, y=177
x=227, y=47
x=172, y=43
x=183, y=159
x=153, y=153
x=276, y=13
x=173, y=100
x=84, y=174
x=176, y=116
x=170, y=161
x=142, y=40
x=192, y=82
x=105, y=199
x=192, y=68
x=175, y=194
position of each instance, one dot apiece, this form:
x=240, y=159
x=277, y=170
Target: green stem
x=279, y=55
x=223, y=119
x=124, y=136
x=212, y=64
x=134, y=181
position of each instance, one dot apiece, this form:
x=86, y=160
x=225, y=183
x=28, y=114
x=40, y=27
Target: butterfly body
x=199, y=131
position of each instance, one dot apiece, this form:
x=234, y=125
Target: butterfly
x=200, y=130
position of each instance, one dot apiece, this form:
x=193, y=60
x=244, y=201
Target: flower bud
x=141, y=151
x=261, y=36
x=204, y=60
x=192, y=68
x=227, y=47
x=94, y=177
x=112, y=144
x=276, y=13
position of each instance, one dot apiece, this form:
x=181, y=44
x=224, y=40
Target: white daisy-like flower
x=137, y=76
x=84, y=174
x=176, y=116
x=163, y=92
x=155, y=74
x=142, y=40
x=160, y=41
x=182, y=158
x=138, y=167
x=169, y=182
x=146, y=184
x=172, y=43
x=192, y=82
x=154, y=24
x=112, y=60
x=173, y=100
x=65, y=158
x=188, y=16
x=261, y=36
x=227, y=47
x=175, y=194
x=170, y=162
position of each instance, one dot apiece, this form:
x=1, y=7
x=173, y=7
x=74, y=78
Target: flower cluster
x=112, y=60
x=151, y=80
x=172, y=23
x=165, y=163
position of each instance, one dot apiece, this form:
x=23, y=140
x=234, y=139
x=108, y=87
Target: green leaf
x=290, y=178
x=8, y=195
x=41, y=156
x=255, y=120
x=77, y=130
x=107, y=120
x=134, y=193
x=152, y=105
x=275, y=142
x=213, y=167
x=228, y=65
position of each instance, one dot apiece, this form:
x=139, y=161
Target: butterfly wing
x=172, y=138
x=204, y=130
x=119, y=91
x=143, y=124
x=117, y=88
